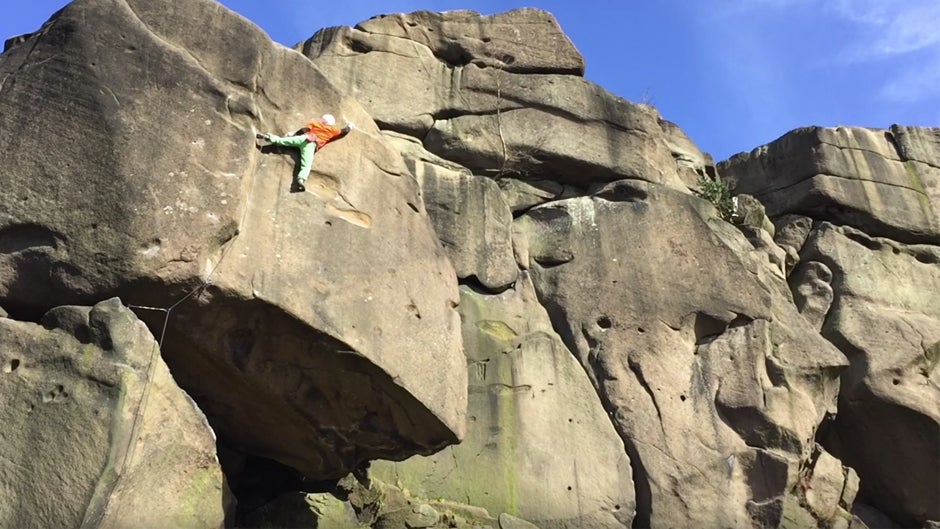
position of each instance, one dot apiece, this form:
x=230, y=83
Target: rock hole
x=12, y=366
x=328, y=223
x=55, y=394
x=486, y=39
x=412, y=24
x=896, y=381
x=927, y=257
x=641, y=330
x=682, y=398
x=604, y=322
x=414, y=208
x=569, y=487
x=570, y=420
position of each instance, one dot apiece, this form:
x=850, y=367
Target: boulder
x=885, y=317
x=790, y=232
x=716, y=387
x=825, y=485
x=469, y=215
x=884, y=182
x=96, y=433
x=463, y=37
x=539, y=444
x=533, y=123
x=304, y=324
x=812, y=292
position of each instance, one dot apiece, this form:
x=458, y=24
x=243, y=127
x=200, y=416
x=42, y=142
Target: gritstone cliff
x=503, y=300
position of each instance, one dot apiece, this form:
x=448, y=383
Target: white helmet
x=329, y=119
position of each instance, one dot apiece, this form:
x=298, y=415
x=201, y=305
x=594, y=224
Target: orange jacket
x=320, y=133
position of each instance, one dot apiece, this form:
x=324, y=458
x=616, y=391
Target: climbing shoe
x=298, y=187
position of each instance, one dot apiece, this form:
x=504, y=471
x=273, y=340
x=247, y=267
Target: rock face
x=711, y=384
x=95, y=431
x=539, y=442
x=508, y=255
x=730, y=359
x=493, y=105
x=886, y=317
x=884, y=182
x=863, y=196
x=311, y=345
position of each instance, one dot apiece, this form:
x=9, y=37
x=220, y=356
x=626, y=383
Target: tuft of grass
x=718, y=193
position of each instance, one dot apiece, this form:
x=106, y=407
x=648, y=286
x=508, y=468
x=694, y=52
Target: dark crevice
x=755, y=429
x=637, y=371
x=15, y=238
x=867, y=242
x=707, y=328
x=473, y=283
x=643, y=494
x=622, y=191
x=552, y=261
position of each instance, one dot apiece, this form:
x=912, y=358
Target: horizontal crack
x=810, y=177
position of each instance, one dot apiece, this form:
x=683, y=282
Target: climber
x=308, y=141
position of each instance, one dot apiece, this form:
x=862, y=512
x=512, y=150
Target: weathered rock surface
x=469, y=214
x=812, y=292
x=490, y=112
x=884, y=182
x=95, y=431
x=463, y=37
x=852, y=209
x=311, y=347
x=539, y=443
x=756, y=381
x=790, y=232
x=716, y=387
x=634, y=360
x=885, y=316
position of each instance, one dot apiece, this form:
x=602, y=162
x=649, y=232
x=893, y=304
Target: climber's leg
x=288, y=141
x=306, y=162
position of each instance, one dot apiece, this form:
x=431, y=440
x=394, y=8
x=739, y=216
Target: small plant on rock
x=717, y=192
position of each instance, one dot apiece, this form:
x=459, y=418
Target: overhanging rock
x=314, y=344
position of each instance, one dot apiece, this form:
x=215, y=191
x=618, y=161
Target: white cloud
x=890, y=27
x=904, y=35
x=900, y=37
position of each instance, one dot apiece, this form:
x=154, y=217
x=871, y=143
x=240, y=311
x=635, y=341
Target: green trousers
x=307, y=149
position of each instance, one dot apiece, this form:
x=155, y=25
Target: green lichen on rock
x=918, y=186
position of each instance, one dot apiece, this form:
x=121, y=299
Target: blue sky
x=734, y=74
